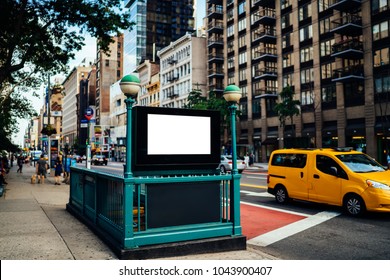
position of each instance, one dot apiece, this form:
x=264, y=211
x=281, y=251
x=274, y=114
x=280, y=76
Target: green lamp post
x=130, y=85
x=232, y=95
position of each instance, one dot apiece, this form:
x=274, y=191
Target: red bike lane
x=256, y=220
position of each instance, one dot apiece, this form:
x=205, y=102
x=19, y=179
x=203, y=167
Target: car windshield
x=360, y=163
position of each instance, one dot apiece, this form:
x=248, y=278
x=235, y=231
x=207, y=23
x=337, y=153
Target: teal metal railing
x=124, y=208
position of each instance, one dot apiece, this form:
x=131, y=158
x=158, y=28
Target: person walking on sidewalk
x=41, y=169
x=58, y=169
x=20, y=164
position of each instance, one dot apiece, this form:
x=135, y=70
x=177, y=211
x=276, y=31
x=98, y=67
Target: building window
x=242, y=75
x=256, y=108
x=241, y=8
x=354, y=94
x=380, y=31
x=307, y=97
x=288, y=80
x=230, y=62
x=381, y=57
x=288, y=59
x=305, y=11
x=242, y=24
x=230, y=14
x=323, y=5
x=286, y=40
x=307, y=75
x=326, y=47
x=307, y=54
x=286, y=20
x=379, y=6
x=243, y=106
x=306, y=33
x=242, y=41
x=326, y=70
x=285, y=3
x=230, y=30
x=382, y=83
x=269, y=106
x=325, y=25
x=242, y=58
x=244, y=90
x=328, y=94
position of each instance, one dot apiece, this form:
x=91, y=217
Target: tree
x=38, y=38
x=287, y=107
x=197, y=101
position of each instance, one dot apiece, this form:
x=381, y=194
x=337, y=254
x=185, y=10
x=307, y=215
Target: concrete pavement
x=34, y=225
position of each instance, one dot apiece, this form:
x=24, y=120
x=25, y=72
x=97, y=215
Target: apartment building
x=182, y=69
x=333, y=53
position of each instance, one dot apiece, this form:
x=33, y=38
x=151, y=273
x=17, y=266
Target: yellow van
x=338, y=176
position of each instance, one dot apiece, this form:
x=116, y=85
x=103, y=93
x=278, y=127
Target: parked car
x=99, y=160
x=226, y=164
x=78, y=158
x=338, y=176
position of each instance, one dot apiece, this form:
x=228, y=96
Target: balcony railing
x=349, y=25
x=267, y=72
x=351, y=48
x=345, y=5
x=346, y=74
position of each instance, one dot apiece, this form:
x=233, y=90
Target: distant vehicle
x=99, y=160
x=226, y=164
x=78, y=158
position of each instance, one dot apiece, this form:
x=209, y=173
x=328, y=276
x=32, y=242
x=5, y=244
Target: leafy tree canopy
x=38, y=38
x=287, y=107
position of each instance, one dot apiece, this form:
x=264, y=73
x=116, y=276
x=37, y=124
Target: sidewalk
x=34, y=225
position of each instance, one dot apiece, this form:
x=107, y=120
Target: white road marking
x=291, y=229
x=260, y=194
x=257, y=177
x=277, y=209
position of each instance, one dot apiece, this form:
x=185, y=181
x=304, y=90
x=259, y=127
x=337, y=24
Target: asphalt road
x=318, y=232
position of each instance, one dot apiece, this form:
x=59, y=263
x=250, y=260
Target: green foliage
x=288, y=107
x=39, y=38
x=44, y=35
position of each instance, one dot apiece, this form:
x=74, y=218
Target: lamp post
x=232, y=95
x=130, y=85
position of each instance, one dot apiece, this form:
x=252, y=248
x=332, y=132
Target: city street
x=301, y=230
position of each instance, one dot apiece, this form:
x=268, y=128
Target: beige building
x=182, y=69
x=148, y=93
x=70, y=113
x=334, y=54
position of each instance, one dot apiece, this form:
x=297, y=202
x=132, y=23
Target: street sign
x=88, y=114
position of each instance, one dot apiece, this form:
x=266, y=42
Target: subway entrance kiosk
x=171, y=200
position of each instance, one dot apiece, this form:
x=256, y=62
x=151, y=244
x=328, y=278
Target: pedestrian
x=58, y=169
x=20, y=164
x=41, y=169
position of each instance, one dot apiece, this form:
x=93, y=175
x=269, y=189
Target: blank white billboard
x=178, y=135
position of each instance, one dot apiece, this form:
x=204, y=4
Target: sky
x=86, y=51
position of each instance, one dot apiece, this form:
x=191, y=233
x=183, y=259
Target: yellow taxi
x=339, y=176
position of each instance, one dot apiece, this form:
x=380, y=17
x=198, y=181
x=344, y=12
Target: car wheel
x=281, y=195
x=354, y=205
x=223, y=169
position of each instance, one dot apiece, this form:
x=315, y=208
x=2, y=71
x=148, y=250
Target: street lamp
x=130, y=85
x=232, y=95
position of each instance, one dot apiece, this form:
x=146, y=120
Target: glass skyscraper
x=158, y=23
